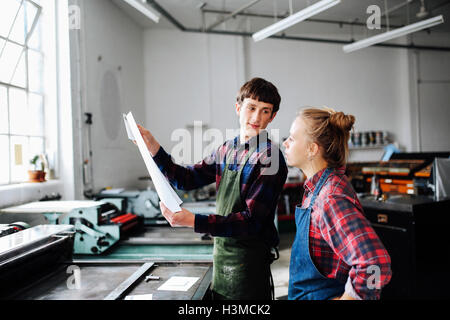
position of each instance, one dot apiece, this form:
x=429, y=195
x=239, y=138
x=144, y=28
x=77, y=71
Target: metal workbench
x=160, y=243
x=115, y=280
x=38, y=264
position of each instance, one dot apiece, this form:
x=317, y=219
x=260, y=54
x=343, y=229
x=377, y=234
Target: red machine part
x=124, y=218
x=127, y=221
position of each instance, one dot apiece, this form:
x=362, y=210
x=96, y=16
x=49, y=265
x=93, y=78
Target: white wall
x=191, y=77
x=196, y=77
x=370, y=84
x=109, y=33
x=432, y=85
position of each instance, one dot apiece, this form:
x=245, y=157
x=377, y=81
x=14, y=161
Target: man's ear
x=273, y=117
x=238, y=109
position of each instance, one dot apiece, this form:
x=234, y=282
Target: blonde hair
x=331, y=131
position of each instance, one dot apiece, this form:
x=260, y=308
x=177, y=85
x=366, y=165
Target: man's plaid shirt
x=261, y=185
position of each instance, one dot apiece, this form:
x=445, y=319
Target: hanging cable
x=275, y=11
x=387, y=14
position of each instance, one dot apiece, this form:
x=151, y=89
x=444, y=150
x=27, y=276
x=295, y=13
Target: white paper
x=140, y=297
x=165, y=191
x=127, y=127
x=179, y=284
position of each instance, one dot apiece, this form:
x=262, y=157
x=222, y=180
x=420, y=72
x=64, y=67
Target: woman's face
x=296, y=146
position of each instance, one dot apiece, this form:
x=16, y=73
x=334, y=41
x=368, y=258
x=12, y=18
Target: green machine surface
x=160, y=243
x=96, y=238
x=155, y=253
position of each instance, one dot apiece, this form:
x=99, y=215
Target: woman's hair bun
x=331, y=131
x=341, y=120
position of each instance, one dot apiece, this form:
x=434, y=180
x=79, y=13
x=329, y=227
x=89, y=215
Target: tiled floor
x=280, y=268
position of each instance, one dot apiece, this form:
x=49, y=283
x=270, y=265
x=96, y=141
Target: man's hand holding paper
x=144, y=142
x=184, y=218
x=152, y=145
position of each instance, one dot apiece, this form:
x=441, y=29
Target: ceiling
x=201, y=14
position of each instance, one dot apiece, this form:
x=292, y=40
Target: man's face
x=254, y=116
x=296, y=146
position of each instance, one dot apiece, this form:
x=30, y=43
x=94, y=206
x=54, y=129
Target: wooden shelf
x=375, y=147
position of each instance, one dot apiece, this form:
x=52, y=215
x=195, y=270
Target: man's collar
x=263, y=136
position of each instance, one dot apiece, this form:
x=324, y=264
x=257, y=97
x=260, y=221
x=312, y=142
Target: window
x=22, y=99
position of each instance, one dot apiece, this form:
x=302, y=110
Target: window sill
x=15, y=194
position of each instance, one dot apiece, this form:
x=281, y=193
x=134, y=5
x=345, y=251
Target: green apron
x=241, y=269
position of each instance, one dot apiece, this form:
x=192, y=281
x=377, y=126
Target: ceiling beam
x=179, y=26
x=269, y=16
x=232, y=14
x=166, y=14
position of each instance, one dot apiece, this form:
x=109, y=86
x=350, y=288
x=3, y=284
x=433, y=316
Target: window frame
x=24, y=54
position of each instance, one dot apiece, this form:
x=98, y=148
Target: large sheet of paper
x=179, y=284
x=165, y=191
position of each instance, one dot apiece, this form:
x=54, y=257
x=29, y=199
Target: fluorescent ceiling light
x=394, y=34
x=144, y=8
x=295, y=18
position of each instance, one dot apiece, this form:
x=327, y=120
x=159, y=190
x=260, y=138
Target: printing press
x=98, y=225
x=145, y=203
x=118, y=247
x=37, y=264
x=155, y=238
x=125, y=224
x=399, y=198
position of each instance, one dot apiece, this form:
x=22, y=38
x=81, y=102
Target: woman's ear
x=313, y=149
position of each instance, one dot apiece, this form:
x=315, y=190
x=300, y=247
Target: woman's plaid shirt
x=343, y=244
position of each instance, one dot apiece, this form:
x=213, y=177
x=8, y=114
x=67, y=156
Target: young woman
x=336, y=254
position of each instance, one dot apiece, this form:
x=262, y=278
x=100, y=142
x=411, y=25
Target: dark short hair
x=261, y=90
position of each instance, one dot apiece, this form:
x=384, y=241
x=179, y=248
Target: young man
x=248, y=189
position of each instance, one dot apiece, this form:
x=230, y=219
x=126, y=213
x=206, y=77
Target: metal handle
x=126, y=285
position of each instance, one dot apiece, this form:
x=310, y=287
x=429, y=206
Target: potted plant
x=36, y=175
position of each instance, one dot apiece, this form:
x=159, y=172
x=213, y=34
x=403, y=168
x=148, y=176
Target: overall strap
x=319, y=186
x=229, y=157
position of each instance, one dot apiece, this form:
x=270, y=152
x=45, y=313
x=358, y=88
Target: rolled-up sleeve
x=261, y=201
x=187, y=178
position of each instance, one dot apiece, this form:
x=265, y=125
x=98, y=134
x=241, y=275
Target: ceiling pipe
x=333, y=41
x=268, y=16
x=401, y=5
x=232, y=15
x=167, y=15
x=440, y=5
x=397, y=7
x=180, y=27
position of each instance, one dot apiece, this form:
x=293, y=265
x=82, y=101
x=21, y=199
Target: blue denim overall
x=305, y=281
